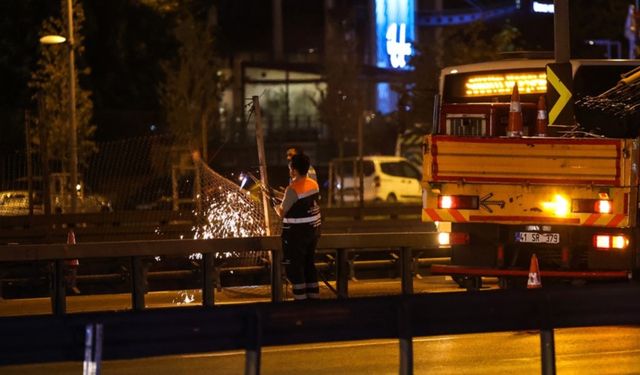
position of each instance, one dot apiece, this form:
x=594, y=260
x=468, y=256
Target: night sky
x=126, y=40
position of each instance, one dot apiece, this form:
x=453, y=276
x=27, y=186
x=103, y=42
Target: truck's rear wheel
x=470, y=283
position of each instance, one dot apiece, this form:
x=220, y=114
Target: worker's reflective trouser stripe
x=304, y=291
x=299, y=291
x=302, y=220
x=312, y=290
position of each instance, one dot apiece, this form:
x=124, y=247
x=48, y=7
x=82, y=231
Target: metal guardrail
x=138, y=250
x=250, y=327
x=155, y=225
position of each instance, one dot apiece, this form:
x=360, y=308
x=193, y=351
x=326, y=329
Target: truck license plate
x=534, y=237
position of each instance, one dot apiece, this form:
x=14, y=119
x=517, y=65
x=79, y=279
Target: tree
x=341, y=102
x=50, y=85
x=464, y=44
x=194, y=82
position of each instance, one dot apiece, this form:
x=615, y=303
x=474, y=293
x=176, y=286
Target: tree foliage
x=194, y=81
x=341, y=102
x=464, y=45
x=474, y=43
x=50, y=85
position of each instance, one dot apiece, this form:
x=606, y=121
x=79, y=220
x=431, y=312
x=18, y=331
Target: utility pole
x=73, y=129
x=562, y=47
x=262, y=161
x=360, y=162
x=278, y=45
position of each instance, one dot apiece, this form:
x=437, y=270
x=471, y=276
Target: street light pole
x=72, y=111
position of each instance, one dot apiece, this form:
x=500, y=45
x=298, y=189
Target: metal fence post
x=405, y=269
x=58, y=286
x=92, y=349
x=547, y=351
x=342, y=273
x=137, y=284
x=208, y=296
x=406, y=339
x=276, y=276
x=254, y=345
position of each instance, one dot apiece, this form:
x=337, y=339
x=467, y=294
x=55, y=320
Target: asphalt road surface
x=602, y=350
x=246, y=294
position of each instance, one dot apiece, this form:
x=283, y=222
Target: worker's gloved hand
x=278, y=193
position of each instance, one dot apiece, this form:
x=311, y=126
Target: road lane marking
x=319, y=346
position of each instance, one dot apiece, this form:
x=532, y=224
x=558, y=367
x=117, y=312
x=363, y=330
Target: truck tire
x=470, y=283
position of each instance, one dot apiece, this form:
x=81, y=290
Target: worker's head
x=293, y=150
x=299, y=165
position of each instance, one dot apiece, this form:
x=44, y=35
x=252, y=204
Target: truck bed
x=528, y=160
x=531, y=180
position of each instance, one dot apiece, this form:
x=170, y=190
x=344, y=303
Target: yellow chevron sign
x=564, y=92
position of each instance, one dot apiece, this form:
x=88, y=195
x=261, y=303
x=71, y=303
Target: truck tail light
x=610, y=241
x=598, y=206
x=446, y=238
x=468, y=202
x=603, y=206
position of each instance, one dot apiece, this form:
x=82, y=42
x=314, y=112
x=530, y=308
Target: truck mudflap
x=441, y=269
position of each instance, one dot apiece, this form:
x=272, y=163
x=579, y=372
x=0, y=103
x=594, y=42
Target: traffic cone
x=534, y=274
x=514, y=127
x=72, y=265
x=71, y=240
x=542, y=120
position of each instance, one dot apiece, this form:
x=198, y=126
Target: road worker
x=293, y=150
x=301, y=220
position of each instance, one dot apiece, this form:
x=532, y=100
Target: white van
x=386, y=179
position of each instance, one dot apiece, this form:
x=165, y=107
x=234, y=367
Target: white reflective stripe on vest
x=301, y=220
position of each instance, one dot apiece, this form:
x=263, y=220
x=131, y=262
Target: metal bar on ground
x=445, y=269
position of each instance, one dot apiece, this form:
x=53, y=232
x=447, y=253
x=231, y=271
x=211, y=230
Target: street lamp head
x=53, y=39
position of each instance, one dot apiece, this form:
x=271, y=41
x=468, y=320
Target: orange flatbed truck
x=572, y=201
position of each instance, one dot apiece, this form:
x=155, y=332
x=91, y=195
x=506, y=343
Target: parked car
x=386, y=179
x=16, y=203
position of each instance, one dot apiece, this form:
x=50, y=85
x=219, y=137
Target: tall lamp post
x=73, y=128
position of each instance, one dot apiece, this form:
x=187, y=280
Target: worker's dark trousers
x=299, y=247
